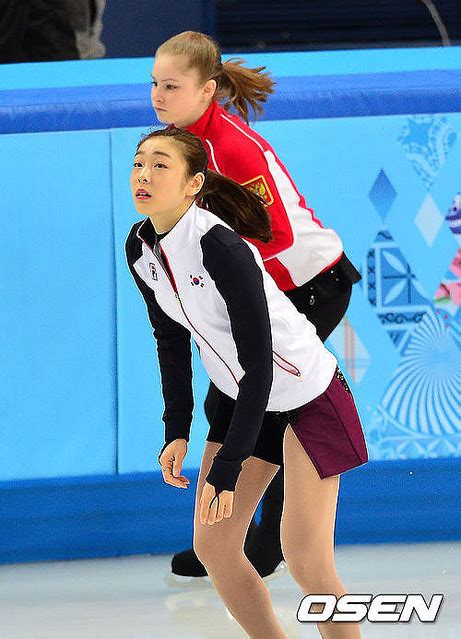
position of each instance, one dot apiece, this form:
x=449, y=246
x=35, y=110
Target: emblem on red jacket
x=259, y=186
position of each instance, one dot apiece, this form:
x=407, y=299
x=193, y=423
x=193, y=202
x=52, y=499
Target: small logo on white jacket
x=153, y=271
x=196, y=280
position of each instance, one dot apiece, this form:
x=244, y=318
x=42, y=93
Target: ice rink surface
x=127, y=597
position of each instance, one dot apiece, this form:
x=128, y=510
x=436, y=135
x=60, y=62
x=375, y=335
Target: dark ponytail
x=242, y=209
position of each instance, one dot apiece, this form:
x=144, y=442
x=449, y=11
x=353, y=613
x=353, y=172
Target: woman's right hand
x=171, y=462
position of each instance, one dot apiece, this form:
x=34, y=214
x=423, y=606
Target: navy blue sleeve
x=239, y=280
x=174, y=355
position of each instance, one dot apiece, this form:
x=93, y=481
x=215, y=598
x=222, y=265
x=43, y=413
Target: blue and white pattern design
x=350, y=349
x=427, y=140
x=382, y=194
x=416, y=411
x=429, y=220
x=448, y=295
x=420, y=412
x=453, y=217
x=392, y=289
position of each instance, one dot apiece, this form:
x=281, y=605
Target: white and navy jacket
x=202, y=279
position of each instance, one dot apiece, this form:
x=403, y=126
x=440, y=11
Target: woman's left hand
x=214, y=508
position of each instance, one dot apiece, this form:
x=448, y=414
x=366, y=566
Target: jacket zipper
x=289, y=368
x=292, y=370
x=172, y=281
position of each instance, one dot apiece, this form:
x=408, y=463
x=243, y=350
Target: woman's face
x=177, y=95
x=159, y=185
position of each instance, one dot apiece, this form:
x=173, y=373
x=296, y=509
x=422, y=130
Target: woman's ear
x=209, y=89
x=195, y=184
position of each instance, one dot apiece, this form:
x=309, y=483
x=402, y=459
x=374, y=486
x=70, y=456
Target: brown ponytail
x=241, y=87
x=237, y=86
x=242, y=209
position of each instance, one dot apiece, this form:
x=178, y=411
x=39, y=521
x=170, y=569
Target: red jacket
x=301, y=247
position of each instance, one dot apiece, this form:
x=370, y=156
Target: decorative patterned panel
x=400, y=222
x=427, y=140
x=392, y=289
x=419, y=414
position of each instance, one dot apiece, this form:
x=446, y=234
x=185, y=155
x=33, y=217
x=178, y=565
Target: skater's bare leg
x=220, y=548
x=308, y=523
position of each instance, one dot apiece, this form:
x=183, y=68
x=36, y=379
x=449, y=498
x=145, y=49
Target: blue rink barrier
x=80, y=398
x=296, y=98
x=107, y=516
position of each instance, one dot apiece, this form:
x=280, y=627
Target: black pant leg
x=326, y=315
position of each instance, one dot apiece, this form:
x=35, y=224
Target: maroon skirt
x=330, y=431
